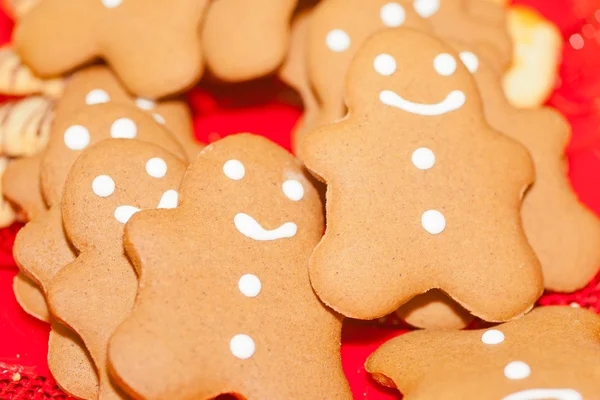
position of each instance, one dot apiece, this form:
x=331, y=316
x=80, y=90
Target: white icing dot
x=249, y=285
x=470, y=60
x=392, y=15
x=97, y=96
x=234, y=169
x=156, y=167
x=426, y=8
x=493, y=336
x=337, y=40
x=111, y=3
x=123, y=128
x=433, y=222
x=384, y=64
x=103, y=186
x=444, y=64
x=293, y=190
x=242, y=346
x=159, y=118
x=77, y=137
x=169, y=199
x=123, y=213
x=517, y=370
x=423, y=158
x=144, y=104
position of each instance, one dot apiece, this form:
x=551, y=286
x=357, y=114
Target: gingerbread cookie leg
x=21, y=186
x=244, y=40
x=435, y=310
x=30, y=297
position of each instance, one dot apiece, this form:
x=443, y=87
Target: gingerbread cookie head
x=113, y=30
x=552, y=353
x=98, y=84
x=249, y=204
x=337, y=30
x=245, y=40
x=72, y=133
x=415, y=135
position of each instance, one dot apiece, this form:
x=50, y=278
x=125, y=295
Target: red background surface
x=258, y=107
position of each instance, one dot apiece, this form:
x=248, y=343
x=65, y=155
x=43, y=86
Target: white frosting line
x=455, y=100
x=249, y=227
x=539, y=394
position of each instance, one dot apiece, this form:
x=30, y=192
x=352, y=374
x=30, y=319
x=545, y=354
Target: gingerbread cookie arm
x=71, y=364
x=435, y=310
x=21, y=186
x=178, y=119
x=30, y=297
x=41, y=35
x=243, y=40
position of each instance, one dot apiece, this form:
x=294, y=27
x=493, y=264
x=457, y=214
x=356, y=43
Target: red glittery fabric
x=259, y=107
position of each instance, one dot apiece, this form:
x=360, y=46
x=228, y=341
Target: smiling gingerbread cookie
x=57, y=36
x=552, y=353
x=107, y=184
x=248, y=322
x=446, y=214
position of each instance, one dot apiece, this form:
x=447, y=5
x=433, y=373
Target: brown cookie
x=243, y=40
x=552, y=353
x=18, y=8
x=435, y=310
x=30, y=297
x=25, y=126
x=453, y=19
x=447, y=186
x=338, y=29
x=41, y=247
x=16, y=79
x=57, y=36
x=7, y=213
x=248, y=321
x=98, y=84
x=21, y=186
x=107, y=184
x=489, y=12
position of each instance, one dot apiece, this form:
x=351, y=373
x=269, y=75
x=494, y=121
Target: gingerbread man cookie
x=453, y=19
x=337, y=30
x=107, y=184
x=552, y=353
x=243, y=40
x=98, y=84
x=248, y=321
x=57, y=36
x=416, y=137
x=41, y=248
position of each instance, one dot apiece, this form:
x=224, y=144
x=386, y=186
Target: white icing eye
x=249, y=285
x=385, y=64
x=242, y=346
x=234, y=169
x=144, y=104
x=97, y=96
x=111, y=3
x=77, y=137
x=433, y=222
x=123, y=128
x=426, y=8
x=159, y=118
x=169, y=199
x=493, y=336
x=444, y=64
x=103, y=186
x=123, y=213
x=517, y=370
x=337, y=40
x=470, y=60
x=156, y=167
x=293, y=190
x=423, y=158
x=392, y=15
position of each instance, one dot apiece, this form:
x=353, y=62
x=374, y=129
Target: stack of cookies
x=169, y=270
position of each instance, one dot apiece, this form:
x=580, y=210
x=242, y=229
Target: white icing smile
x=535, y=394
x=455, y=100
x=249, y=227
